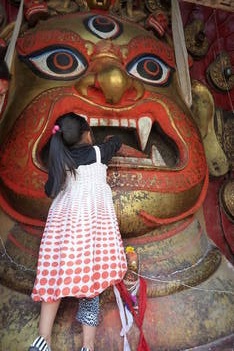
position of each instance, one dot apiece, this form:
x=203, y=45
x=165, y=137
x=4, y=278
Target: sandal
x=39, y=344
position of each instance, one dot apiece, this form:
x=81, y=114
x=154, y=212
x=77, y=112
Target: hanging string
x=139, y=275
x=184, y=284
x=178, y=281
x=11, y=261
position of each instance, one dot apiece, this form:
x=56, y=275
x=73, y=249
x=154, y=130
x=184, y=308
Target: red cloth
x=138, y=316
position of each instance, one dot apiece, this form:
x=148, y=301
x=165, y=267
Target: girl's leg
x=88, y=315
x=47, y=317
x=89, y=336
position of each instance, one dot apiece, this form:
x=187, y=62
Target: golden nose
x=113, y=82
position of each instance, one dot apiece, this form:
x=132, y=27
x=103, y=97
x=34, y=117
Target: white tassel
x=181, y=54
x=11, y=48
x=126, y=319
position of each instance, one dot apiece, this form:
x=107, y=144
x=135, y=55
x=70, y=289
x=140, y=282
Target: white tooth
x=157, y=157
x=104, y=122
x=124, y=122
x=114, y=123
x=94, y=122
x=144, y=128
x=132, y=123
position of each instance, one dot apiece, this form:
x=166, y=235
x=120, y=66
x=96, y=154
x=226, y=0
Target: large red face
x=123, y=80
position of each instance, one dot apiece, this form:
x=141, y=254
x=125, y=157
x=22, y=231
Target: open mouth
x=145, y=144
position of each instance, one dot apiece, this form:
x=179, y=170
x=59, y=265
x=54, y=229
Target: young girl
x=81, y=252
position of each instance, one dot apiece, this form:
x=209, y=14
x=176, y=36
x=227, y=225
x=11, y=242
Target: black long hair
x=70, y=128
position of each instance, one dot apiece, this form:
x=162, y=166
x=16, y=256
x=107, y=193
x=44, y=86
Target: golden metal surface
x=220, y=74
x=187, y=279
x=228, y=139
x=195, y=38
x=195, y=316
x=204, y=113
x=227, y=198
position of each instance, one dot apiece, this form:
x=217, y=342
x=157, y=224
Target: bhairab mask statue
x=123, y=79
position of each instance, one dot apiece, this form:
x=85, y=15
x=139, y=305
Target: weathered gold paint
x=180, y=319
x=203, y=109
x=174, y=319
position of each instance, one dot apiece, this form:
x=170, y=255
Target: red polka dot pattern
x=81, y=252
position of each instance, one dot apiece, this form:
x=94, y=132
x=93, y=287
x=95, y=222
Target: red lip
x=21, y=153
x=138, y=116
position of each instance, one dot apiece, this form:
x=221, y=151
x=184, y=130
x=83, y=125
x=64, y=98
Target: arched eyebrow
x=143, y=44
x=40, y=39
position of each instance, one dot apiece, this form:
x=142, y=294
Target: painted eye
x=150, y=69
x=103, y=27
x=57, y=63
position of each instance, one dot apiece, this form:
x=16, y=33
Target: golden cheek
x=129, y=204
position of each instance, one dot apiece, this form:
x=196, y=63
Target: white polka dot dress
x=81, y=252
